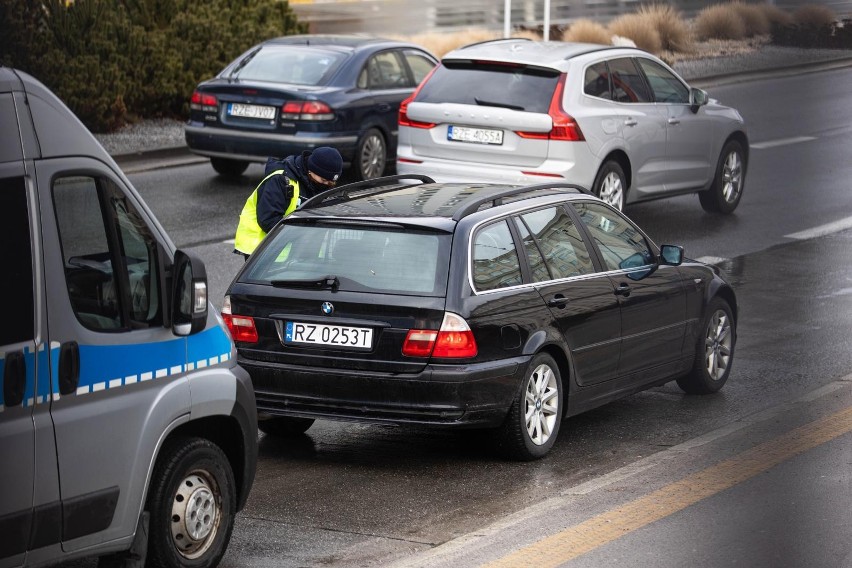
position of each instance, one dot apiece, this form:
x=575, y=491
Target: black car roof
x=341, y=40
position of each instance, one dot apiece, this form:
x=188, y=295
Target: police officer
x=286, y=184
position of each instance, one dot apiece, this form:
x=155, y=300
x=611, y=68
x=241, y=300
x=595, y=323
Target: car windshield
x=392, y=261
x=514, y=87
x=289, y=64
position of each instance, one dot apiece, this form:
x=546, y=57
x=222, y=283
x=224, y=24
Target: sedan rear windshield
x=486, y=84
x=354, y=258
x=290, y=64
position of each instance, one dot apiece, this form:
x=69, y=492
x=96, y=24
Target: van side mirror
x=671, y=255
x=189, y=294
x=697, y=98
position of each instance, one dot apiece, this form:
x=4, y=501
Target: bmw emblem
x=327, y=308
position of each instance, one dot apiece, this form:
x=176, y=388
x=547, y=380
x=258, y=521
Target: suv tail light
x=306, y=110
x=453, y=341
x=403, y=107
x=564, y=126
x=203, y=102
x=241, y=327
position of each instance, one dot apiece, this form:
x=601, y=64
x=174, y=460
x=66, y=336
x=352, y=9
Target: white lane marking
x=822, y=230
x=228, y=242
x=712, y=259
x=781, y=142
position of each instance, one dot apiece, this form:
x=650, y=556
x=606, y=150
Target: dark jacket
x=274, y=196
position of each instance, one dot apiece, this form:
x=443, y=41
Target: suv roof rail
x=497, y=198
x=495, y=41
x=343, y=191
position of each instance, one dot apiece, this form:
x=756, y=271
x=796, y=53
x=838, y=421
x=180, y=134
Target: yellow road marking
x=606, y=527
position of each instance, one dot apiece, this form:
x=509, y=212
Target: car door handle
x=69, y=367
x=674, y=121
x=622, y=290
x=558, y=301
x=631, y=122
x=15, y=381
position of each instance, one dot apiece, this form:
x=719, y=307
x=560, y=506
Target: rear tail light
x=403, y=107
x=306, y=110
x=564, y=126
x=453, y=341
x=203, y=102
x=241, y=328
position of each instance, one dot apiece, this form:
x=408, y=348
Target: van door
x=120, y=373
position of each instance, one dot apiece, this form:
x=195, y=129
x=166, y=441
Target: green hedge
x=113, y=61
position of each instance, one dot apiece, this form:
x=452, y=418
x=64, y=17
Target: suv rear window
x=501, y=85
x=391, y=261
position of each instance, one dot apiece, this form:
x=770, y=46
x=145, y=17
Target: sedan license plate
x=337, y=335
x=251, y=111
x=476, y=135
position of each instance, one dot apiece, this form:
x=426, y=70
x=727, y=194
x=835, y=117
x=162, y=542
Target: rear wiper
x=481, y=102
x=243, y=62
x=326, y=282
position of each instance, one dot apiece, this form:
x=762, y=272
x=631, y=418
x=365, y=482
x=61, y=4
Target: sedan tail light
x=306, y=110
x=453, y=341
x=204, y=102
x=564, y=126
x=242, y=328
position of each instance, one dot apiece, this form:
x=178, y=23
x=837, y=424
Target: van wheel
x=228, y=168
x=532, y=425
x=714, y=351
x=727, y=189
x=284, y=426
x=611, y=185
x=372, y=156
x=192, y=505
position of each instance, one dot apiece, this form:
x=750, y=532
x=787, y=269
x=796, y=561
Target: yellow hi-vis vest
x=249, y=233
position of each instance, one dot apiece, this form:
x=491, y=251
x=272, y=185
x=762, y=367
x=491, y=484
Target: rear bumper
x=440, y=395
x=216, y=142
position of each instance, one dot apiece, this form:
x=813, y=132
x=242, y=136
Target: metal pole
x=546, y=20
x=507, y=18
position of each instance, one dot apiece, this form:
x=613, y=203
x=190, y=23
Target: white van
x=127, y=429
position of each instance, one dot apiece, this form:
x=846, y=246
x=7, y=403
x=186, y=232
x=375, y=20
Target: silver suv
x=616, y=120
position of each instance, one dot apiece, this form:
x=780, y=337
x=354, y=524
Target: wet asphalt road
x=349, y=494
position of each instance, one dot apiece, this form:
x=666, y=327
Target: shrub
x=638, y=28
x=719, y=22
x=673, y=29
x=775, y=15
x=753, y=17
x=587, y=31
x=816, y=15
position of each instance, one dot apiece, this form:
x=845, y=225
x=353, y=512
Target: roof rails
x=496, y=199
x=495, y=41
x=342, y=192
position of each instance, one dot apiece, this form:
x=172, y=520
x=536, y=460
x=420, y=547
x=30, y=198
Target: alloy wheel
x=373, y=156
x=541, y=406
x=612, y=191
x=732, y=177
x=717, y=345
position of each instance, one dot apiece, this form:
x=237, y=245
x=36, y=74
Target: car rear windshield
x=389, y=260
x=298, y=65
x=487, y=84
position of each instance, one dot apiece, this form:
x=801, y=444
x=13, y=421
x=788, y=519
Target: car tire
x=727, y=189
x=284, y=426
x=611, y=185
x=192, y=505
x=714, y=351
x=533, y=422
x=229, y=168
x=372, y=157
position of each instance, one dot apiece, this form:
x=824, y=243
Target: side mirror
x=697, y=98
x=189, y=294
x=671, y=255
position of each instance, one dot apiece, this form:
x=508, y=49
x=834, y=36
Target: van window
x=16, y=285
x=109, y=253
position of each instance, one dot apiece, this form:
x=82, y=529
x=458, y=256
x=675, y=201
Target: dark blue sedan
x=294, y=93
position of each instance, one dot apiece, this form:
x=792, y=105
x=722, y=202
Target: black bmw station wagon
x=406, y=301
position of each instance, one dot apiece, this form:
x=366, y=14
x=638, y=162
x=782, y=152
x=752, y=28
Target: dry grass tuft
x=638, y=28
x=816, y=15
x=442, y=43
x=673, y=29
x=775, y=15
x=587, y=31
x=720, y=21
x=753, y=17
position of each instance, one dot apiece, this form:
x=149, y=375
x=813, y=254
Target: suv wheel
x=532, y=425
x=192, y=504
x=284, y=426
x=372, y=155
x=611, y=185
x=228, y=168
x=727, y=189
x=713, y=353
